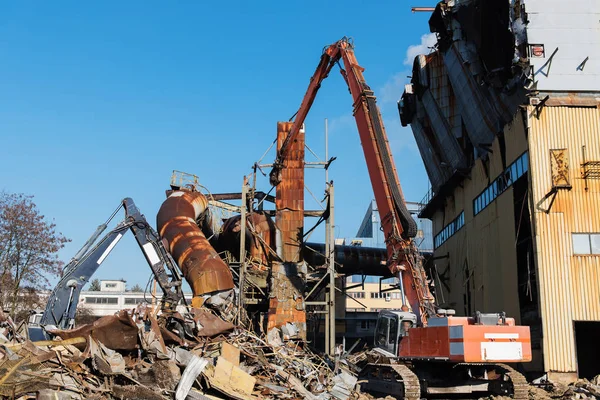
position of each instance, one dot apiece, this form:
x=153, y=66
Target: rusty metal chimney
x=202, y=267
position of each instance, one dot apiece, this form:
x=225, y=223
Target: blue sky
x=102, y=100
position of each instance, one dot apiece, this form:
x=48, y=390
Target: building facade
x=113, y=297
x=505, y=114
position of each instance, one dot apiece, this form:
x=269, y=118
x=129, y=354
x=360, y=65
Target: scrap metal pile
x=134, y=355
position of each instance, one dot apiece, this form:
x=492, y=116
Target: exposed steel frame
x=403, y=256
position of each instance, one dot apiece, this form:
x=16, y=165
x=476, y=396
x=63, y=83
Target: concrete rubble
x=138, y=355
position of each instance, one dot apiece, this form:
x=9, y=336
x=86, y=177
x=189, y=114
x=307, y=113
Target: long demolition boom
x=398, y=226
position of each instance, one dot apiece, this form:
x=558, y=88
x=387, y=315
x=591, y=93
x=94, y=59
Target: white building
x=113, y=297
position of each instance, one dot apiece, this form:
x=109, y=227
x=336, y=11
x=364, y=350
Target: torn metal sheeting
x=117, y=332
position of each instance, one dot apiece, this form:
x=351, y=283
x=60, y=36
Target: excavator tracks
x=400, y=381
x=520, y=387
x=412, y=387
x=519, y=383
x=395, y=379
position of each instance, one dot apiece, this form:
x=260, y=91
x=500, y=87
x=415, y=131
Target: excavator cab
x=391, y=327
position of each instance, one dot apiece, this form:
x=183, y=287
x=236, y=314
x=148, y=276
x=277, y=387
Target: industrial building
x=505, y=114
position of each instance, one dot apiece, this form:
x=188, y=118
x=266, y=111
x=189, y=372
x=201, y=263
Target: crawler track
x=395, y=379
x=519, y=383
x=412, y=387
x=520, y=387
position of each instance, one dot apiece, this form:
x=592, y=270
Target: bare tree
x=136, y=288
x=29, y=244
x=94, y=285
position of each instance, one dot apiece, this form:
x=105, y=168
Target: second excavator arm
x=62, y=303
x=398, y=225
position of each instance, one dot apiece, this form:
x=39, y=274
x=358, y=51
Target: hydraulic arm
x=398, y=226
x=62, y=304
x=466, y=352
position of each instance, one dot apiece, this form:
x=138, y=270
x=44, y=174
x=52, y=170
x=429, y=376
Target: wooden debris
x=230, y=353
x=231, y=380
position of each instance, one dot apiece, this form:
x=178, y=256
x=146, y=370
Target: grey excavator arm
x=62, y=303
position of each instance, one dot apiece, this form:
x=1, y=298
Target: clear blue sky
x=102, y=100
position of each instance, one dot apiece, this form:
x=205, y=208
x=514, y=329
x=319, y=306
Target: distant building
x=113, y=297
x=113, y=286
x=505, y=113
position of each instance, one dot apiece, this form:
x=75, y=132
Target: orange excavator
x=421, y=350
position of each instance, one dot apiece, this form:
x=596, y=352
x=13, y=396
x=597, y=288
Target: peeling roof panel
x=432, y=163
x=478, y=115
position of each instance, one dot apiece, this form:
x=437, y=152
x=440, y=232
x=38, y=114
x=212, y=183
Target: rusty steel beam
x=259, y=195
x=202, y=267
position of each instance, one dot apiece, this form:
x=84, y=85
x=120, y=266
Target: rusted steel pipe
x=260, y=247
x=350, y=260
x=202, y=267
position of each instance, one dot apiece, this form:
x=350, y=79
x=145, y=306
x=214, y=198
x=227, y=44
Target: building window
x=357, y=295
x=366, y=325
x=586, y=243
x=133, y=300
x=501, y=183
x=102, y=300
x=379, y=295
x=449, y=230
x=111, y=285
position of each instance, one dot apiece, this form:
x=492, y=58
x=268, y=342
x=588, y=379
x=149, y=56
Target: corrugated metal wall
x=569, y=285
x=481, y=256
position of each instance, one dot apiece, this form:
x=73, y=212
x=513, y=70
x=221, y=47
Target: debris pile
x=581, y=389
x=135, y=355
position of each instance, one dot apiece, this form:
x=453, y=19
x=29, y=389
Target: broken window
x=499, y=185
x=449, y=230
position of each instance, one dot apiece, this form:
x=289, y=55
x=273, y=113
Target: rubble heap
x=136, y=355
x=581, y=389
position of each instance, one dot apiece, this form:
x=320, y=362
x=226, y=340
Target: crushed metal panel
x=117, y=332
